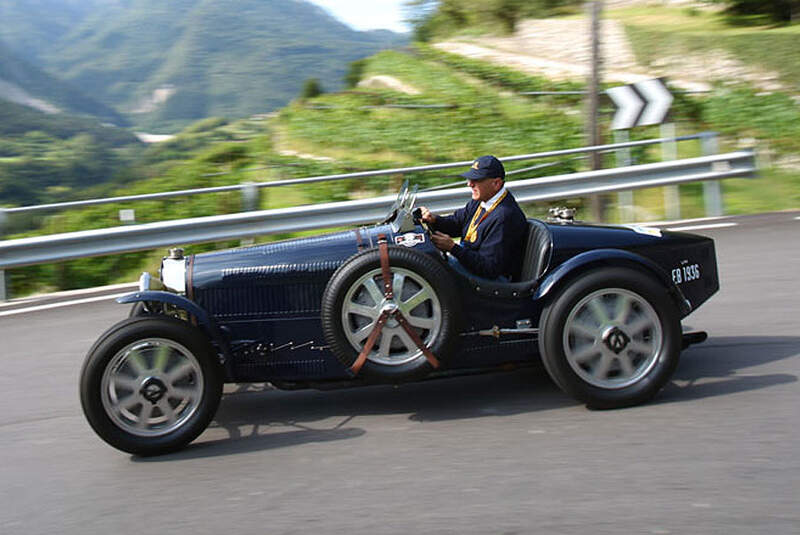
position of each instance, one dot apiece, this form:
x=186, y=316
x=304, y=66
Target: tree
x=776, y=10
x=508, y=12
x=355, y=72
x=311, y=89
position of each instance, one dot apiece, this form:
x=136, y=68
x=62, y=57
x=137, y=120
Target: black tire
x=178, y=375
x=623, y=360
x=392, y=360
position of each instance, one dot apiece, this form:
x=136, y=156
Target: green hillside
x=674, y=31
x=51, y=157
x=211, y=58
x=18, y=78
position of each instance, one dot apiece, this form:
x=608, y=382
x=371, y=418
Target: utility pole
x=593, y=95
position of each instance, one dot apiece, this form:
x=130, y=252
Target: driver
x=491, y=225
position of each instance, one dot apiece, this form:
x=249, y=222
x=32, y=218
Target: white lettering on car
x=686, y=273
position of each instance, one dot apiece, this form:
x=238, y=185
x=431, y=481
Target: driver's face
x=483, y=190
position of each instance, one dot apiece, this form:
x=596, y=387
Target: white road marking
x=131, y=286
x=797, y=218
x=678, y=221
x=701, y=227
x=62, y=304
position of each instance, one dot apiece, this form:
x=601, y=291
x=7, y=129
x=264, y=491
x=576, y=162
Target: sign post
x=642, y=104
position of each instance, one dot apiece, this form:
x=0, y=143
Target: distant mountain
x=167, y=63
x=32, y=26
x=22, y=83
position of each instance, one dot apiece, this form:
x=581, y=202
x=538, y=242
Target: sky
x=367, y=14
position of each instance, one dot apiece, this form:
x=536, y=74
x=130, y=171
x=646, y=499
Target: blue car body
x=260, y=306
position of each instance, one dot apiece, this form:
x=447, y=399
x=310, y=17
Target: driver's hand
x=427, y=216
x=442, y=241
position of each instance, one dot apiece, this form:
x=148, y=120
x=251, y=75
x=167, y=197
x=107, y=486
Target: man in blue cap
x=491, y=225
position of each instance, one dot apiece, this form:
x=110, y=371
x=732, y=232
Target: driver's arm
x=451, y=225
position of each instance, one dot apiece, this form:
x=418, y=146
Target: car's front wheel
x=423, y=293
x=611, y=338
x=150, y=385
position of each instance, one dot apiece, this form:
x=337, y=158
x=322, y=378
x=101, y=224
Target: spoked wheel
x=150, y=385
x=416, y=300
x=354, y=300
x=611, y=338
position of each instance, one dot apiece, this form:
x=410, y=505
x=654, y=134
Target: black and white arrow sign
x=641, y=104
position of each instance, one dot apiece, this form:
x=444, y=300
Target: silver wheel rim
x=415, y=299
x=612, y=338
x=152, y=387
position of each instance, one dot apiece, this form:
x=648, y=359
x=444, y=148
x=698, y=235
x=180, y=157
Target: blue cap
x=485, y=167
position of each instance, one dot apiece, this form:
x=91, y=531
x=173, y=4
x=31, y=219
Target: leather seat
x=536, y=256
x=536, y=251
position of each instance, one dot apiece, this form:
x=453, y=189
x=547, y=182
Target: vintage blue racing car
x=601, y=306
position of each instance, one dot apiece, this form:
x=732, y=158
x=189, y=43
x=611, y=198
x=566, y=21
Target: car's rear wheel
x=611, y=338
x=150, y=385
x=423, y=293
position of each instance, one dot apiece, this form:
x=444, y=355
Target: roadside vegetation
x=756, y=41
x=453, y=108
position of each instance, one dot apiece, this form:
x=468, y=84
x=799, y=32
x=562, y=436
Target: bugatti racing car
x=600, y=306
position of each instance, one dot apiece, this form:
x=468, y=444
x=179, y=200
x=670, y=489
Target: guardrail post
x=251, y=201
x=669, y=151
x=624, y=198
x=712, y=189
x=250, y=197
x=3, y=291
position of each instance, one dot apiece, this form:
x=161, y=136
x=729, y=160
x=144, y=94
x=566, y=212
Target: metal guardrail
x=60, y=247
x=247, y=188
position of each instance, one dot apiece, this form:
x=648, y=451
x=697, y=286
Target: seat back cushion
x=536, y=252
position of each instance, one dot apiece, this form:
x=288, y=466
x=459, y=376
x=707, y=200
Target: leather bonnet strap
x=386, y=271
x=432, y=360
x=388, y=292
x=373, y=337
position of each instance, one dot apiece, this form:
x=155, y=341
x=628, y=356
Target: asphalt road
x=716, y=452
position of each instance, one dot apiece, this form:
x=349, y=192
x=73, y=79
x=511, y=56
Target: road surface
x=717, y=452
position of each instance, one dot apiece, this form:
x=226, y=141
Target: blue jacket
x=497, y=251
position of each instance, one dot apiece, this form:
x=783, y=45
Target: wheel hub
x=390, y=308
x=414, y=299
x=153, y=390
x=616, y=340
x=612, y=338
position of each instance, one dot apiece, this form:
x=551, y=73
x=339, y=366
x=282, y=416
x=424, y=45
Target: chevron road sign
x=641, y=104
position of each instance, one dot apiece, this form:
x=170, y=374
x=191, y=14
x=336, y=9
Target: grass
x=774, y=190
x=655, y=33
x=484, y=122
